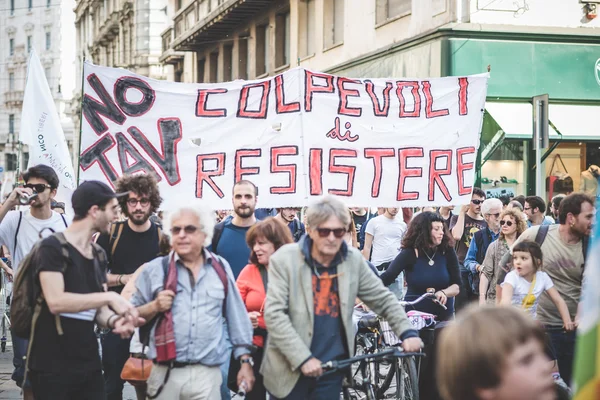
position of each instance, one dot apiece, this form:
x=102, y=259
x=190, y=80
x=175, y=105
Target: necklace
x=431, y=262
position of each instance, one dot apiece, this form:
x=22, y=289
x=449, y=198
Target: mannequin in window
x=589, y=180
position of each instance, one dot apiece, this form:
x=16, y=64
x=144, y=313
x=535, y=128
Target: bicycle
x=365, y=361
x=374, y=334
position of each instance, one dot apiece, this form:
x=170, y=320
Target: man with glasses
x=535, y=209
x=20, y=230
x=129, y=245
x=491, y=209
x=195, y=291
x=463, y=227
x=308, y=311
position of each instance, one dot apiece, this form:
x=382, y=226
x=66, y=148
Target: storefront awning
x=574, y=122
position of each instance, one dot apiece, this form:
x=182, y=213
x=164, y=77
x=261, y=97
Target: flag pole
x=80, y=119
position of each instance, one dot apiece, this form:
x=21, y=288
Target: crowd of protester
x=256, y=299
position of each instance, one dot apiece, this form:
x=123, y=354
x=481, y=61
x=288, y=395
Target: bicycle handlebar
x=391, y=352
x=430, y=294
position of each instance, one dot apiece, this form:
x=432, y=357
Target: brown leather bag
x=136, y=371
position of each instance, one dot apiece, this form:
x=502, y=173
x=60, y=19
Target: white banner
x=42, y=131
x=297, y=135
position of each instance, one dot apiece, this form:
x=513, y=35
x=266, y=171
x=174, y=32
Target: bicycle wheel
x=408, y=384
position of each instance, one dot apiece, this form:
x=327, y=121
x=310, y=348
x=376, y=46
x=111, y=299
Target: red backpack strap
x=220, y=270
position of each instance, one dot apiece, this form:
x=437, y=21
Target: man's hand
x=441, y=297
x=124, y=327
x=164, y=301
x=121, y=306
x=312, y=368
x=13, y=198
x=245, y=378
x=464, y=209
x=254, y=318
x=412, y=344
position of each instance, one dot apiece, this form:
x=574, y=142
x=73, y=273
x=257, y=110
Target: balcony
x=109, y=28
x=13, y=99
x=196, y=26
x=169, y=56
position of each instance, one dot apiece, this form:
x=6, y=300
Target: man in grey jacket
x=313, y=285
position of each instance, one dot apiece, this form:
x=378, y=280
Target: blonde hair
x=517, y=215
x=473, y=349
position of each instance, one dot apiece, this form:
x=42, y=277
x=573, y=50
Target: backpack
x=217, y=233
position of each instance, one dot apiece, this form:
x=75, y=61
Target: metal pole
x=80, y=119
x=539, y=184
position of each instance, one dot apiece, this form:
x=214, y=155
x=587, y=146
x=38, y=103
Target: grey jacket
x=289, y=311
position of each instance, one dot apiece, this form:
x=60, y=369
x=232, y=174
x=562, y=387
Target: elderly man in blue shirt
x=192, y=290
x=491, y=210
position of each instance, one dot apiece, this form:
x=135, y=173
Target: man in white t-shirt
x=383, y=234
x=20, y=230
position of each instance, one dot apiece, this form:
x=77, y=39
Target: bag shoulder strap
x=525, y=303
x=217, y=235
x=264, y=275
x=115, y=239
x=220, y=270
x=64, y=220
x=17, y=232
x=541, y=234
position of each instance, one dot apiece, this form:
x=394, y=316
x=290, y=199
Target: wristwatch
x=247, y=360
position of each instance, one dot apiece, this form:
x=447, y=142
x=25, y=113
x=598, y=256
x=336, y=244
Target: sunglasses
x=507, y=223
x=133, y=202
x=477, y=202
x=325, y=232
x=37, y=187
x=188, y=229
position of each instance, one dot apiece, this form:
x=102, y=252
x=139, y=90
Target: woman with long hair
x=512, y=224
x=264, y=238
x=428, y=260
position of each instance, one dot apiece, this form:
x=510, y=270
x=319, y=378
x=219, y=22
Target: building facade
x=533, y=47
x=118, y=33
x=46, y=26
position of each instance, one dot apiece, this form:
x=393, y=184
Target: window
x=48, y=3
x=227, y=62
x=11, y=47
x=29, y=44
x=12, y=7
x=49, y=42
x=11, y=81
x=11, y=123
x=201, y=70
x=29, y=4
x=178, y=5
x=306, y=27
x=11, y=162
x=243, y=65
x=262, y=49
x=333, y=22
x=24, y=161
x=389, y=9
x=282, y=40
x=214, y=67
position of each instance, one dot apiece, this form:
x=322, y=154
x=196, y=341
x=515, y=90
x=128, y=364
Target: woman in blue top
x=428, y=260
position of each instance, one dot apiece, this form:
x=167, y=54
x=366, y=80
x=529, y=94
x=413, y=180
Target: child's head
x=493, y=353
x=527, y=257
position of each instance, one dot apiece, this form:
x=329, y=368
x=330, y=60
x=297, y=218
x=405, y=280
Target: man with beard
x=20, y=230
x=288, y=217
x=384, y=235
x=564, y=247
x=129, y=245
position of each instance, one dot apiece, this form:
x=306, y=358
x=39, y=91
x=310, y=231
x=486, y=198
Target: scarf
x=164, y=335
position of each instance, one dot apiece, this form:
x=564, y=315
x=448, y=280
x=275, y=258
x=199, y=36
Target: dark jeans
x=19, y=351
x=563, y=344
x=115, y=352
x=466, y=295
x=67, y=386
x=325, y=388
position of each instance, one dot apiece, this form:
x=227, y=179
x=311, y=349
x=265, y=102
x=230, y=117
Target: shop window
x=243, y=64
x=213, y=67
x=390, y=9
x=333, y=22
x=306, y=27
x=262, y=49
x=227, y=62
x=282, y=40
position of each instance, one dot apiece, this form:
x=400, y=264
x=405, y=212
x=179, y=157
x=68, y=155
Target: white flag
x=42, y=132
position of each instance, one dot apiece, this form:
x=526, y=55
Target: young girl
x=524, y=285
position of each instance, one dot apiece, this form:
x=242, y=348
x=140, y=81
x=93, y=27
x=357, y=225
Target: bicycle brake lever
x=440, y=304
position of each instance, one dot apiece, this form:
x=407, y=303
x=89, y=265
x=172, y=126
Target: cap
x=92, y=193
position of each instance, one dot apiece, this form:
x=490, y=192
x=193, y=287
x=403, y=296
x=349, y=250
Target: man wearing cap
x=67, y=366
x=20, y=230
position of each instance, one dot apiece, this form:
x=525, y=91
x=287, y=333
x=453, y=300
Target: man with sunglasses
x=20, y=230
x=308, y=311
x=129, y=245
x=491, y=209
x=463, y=227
